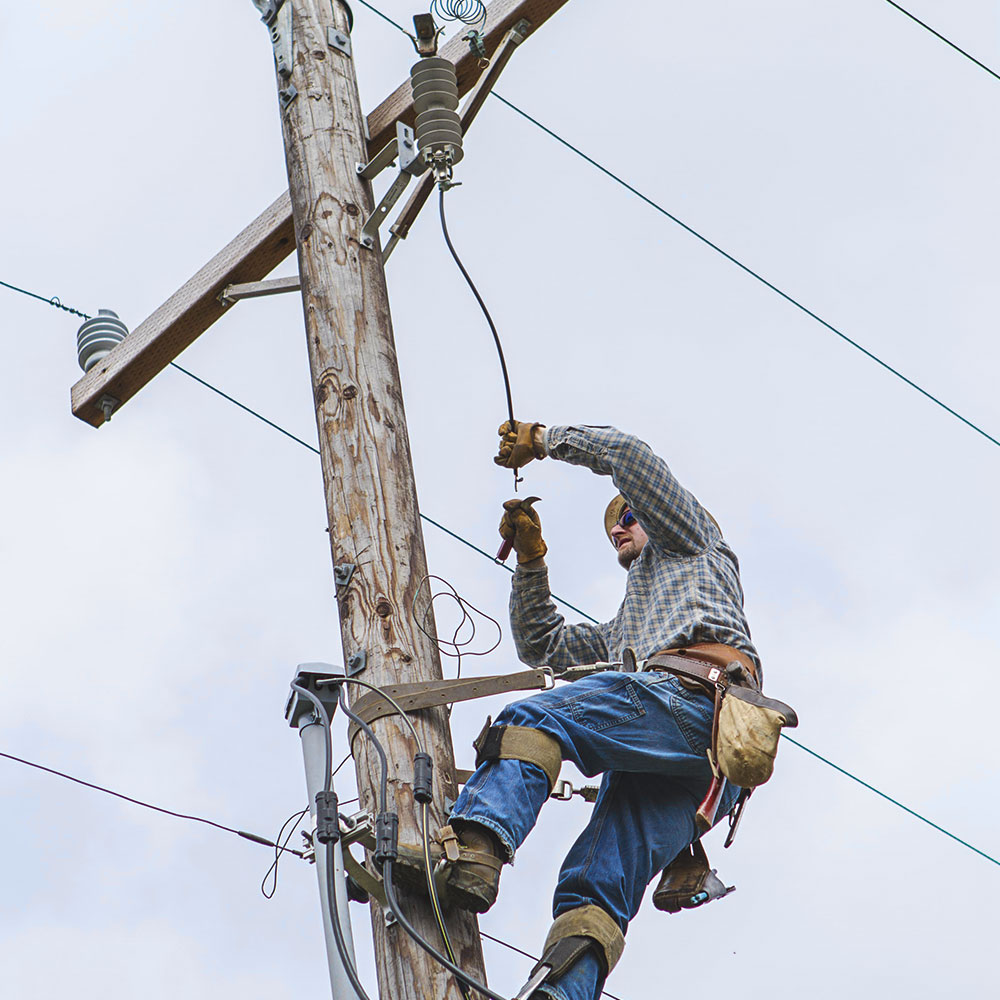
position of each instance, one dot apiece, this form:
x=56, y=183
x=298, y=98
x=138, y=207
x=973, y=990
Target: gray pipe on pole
x=301, y=714
x=314, y=757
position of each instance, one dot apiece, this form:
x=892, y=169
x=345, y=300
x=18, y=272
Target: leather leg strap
x=573, y=932
x=520, y=743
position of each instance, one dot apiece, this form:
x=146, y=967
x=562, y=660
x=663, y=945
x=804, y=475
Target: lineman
x=648, y=732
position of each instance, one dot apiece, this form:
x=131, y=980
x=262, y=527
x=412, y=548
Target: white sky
x=164, y=575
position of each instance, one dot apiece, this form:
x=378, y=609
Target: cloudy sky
x=165, y=574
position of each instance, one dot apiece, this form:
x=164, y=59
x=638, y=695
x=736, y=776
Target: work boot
x=688, y=882
x=474, y=876
x=466, y=864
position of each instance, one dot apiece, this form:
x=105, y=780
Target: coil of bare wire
x=470, y=12
x=455, y=647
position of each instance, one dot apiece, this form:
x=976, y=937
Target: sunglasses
x=626, y=520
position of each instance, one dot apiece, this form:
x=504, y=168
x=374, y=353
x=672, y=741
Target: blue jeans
x=648, y=734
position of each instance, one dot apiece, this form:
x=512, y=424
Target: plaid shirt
x=683, y=588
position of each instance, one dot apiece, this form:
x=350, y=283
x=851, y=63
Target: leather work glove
x=522, y=526
x=520, y=444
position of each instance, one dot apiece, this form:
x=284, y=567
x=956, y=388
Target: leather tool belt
x=745, y=724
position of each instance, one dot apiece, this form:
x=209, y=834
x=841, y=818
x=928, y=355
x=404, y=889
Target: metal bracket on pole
x=277, y=15
x=411, y=164
x=342, y=573
x=339, y=40
x=356, y=662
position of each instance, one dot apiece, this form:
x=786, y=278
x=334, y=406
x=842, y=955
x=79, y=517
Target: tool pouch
x=748, y=728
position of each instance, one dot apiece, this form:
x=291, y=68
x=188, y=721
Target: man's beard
x=627, y=554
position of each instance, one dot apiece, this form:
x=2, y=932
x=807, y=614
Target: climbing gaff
x=572, y=935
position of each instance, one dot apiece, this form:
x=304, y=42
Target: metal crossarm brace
x=255, y=289
x=411, y=164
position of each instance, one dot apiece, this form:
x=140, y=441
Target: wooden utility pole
x=365, y=452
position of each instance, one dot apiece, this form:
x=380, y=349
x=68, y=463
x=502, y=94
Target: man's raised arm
x=674, y=520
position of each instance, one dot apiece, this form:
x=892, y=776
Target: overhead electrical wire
x=938, y=34
x=534, y=958
x=725, y=253
x=566, y=604
x=255, y=838
x=52, y=301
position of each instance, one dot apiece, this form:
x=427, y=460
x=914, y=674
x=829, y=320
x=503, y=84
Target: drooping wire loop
x=457, y=646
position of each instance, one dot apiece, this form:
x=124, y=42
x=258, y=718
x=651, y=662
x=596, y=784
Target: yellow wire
x=432, y=888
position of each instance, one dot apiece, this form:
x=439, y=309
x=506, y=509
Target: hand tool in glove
x=521, y=523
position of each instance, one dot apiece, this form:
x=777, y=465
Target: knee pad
x=572, y=934
x=519, y=743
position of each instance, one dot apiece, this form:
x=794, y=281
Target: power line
x=53, y=301
x=565, y=603
x=938, y=34
x=725, y=253
x=534, y=958
x=256, y=838
x=482, y=552
x=889, y=798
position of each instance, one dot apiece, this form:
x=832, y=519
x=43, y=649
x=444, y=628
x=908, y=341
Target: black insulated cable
x=486, y=313
x=459, y=973
x=254, y=837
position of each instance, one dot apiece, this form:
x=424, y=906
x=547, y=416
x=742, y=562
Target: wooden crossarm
x=188, y=313
x=266, y=242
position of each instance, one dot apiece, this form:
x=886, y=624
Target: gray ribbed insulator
x=435, y=99
x=97, y=336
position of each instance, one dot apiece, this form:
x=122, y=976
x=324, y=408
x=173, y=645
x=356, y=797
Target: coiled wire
x=470, y=12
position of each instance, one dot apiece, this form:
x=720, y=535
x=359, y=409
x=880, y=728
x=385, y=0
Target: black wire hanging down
x=489, y=319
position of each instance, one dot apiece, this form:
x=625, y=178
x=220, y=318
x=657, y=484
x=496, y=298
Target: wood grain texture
x=188, y=313
x=365, y=455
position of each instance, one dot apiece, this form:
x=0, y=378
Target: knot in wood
x=383, y=608
x=349, y=391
